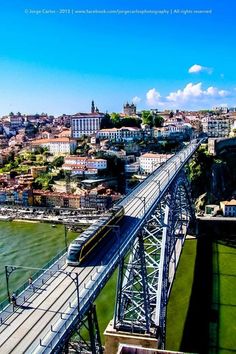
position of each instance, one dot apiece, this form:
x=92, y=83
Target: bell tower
x=92, y=107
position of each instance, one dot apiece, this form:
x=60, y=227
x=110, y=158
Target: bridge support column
x=113, y=338
x=133, y=304
x=87, y=328
x=146, y=278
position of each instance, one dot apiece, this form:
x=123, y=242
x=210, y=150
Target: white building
x=177, y=130
x=149, y=162
x=78, y=161
x=221, y=109
x=121, y=134
x=228, y=207
x=80, y=170
x=15, y=120
x=56, y=146
x=132, y=167
x=85, y=124
x=216, y=127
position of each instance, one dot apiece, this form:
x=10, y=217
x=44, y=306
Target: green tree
x=115, y=118
x=8, y=167
x=58, y=161
x=106, y=122
x=11, y=157
x=158, y=121
x=199, y=170
x=130, y=122
x=44, y=181
x=147, y=118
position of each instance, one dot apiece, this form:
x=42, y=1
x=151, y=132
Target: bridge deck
x=38, y=324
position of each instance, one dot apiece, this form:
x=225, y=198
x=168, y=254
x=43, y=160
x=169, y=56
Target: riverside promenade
x=48, y=215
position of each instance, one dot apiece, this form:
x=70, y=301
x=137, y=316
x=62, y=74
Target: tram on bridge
x=83, y=245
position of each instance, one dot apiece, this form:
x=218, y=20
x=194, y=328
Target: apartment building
x=56, y=199
x=84, y=165
x=74, y=160
x=121, y=134
x=56, y=146
x=149, y=162
x=228, y=207
x=95, y=201
x=15, y=120
x=16, y=196
x=85, y=124
x=216, y=127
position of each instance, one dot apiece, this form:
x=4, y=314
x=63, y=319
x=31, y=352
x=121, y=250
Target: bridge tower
x=145, y=279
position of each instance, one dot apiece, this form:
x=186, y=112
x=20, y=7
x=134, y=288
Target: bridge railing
x=89, y=295
x=24, y=292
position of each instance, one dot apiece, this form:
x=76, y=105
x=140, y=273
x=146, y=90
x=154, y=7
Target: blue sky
x=58, y=63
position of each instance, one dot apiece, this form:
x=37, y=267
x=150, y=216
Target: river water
x=30, y=245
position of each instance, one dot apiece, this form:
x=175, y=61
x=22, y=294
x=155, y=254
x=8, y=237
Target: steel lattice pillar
x=133, y=299
x=86, y=328
x=144, y=281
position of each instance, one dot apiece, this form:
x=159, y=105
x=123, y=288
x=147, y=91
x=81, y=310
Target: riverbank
x=70, y=217
x=30, y=221
x=5, y=218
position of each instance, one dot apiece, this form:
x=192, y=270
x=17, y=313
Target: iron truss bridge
x=146, y=245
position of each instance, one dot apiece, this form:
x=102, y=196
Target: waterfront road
x=216, y=218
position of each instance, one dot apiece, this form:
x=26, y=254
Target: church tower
x=92, y=107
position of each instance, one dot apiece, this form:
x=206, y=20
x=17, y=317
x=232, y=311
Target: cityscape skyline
x=57, y=62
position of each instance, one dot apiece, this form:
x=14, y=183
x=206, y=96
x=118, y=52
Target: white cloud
x=153, y=97
x=196, y=68
x=190, y=90
x=213, y=91
x=195, y=91
x=192, y=95
x=136, y=99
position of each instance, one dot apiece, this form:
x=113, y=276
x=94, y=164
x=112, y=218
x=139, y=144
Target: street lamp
x=179, y=157
x=65, y=236
x=175, y=163
x=155, y=165
x=158, y=184
x=168, y=172
x=143, y=199
x=9, y=269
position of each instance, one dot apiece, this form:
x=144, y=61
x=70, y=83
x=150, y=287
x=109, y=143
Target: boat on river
x=5, y=218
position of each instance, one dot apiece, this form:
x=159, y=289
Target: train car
x=80, y=248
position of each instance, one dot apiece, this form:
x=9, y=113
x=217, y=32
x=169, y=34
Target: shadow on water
x=201, y=330
x=229, y=240
x=196, y=330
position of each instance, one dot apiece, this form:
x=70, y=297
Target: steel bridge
x=152, y=232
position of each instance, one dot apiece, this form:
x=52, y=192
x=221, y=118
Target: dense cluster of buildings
x=62, y=136
x=18, y=191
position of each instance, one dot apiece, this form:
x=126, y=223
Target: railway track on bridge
x=37, y=326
